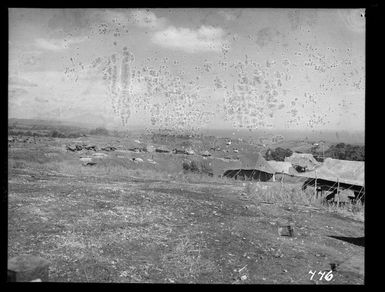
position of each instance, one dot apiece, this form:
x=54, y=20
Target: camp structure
x=206, y=153
x=335, y=175
x=251, y=167
x=302, y=161
x=190, y=151
x=179, y=151
x=162, y=149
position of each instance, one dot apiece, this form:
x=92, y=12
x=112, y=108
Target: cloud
x=204, y=39
x=228, y=15
x=58, y=44
x=148, y=19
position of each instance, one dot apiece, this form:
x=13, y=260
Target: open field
x=121, y=221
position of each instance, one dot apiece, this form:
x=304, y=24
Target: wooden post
x=315, y=185
x=338, y=192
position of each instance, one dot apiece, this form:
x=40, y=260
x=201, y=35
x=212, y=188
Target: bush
x=198, y=167
x=74, y=135
x=278, y=154
x=346, y=152
x=186, y=165
x=99, y=131
x=194, y=166
x=56, y=134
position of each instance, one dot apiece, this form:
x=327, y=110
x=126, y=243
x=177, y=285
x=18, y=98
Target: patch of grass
x=292, y=194
x=185, y=262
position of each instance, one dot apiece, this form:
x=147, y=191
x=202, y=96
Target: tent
x=253, y=167
x=342, y=171
x=304, y=161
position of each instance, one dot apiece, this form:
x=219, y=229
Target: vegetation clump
x=278, y=154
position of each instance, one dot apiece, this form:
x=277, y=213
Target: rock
x=26, y=268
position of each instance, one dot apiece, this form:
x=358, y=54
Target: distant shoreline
x=344, y=136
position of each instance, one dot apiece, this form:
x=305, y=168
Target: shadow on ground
x=360, y=241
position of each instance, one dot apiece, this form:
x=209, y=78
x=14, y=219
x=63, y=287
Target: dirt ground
x=98, y=227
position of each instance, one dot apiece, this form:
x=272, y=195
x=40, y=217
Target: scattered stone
x=244, y=277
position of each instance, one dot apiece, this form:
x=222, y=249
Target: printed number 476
x=327, y=277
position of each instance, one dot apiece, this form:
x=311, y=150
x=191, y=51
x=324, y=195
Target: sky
x=189, y=69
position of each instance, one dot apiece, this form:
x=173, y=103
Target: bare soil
x=98, y=227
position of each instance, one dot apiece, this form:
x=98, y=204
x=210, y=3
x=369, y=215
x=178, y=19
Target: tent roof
x=344, y=171
x=282, y=167
x=254, y=161
x=257, y=162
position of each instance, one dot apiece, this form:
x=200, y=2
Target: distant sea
x=350, y=137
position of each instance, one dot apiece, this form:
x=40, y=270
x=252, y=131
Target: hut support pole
x=315, y=186
x=338, y=192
